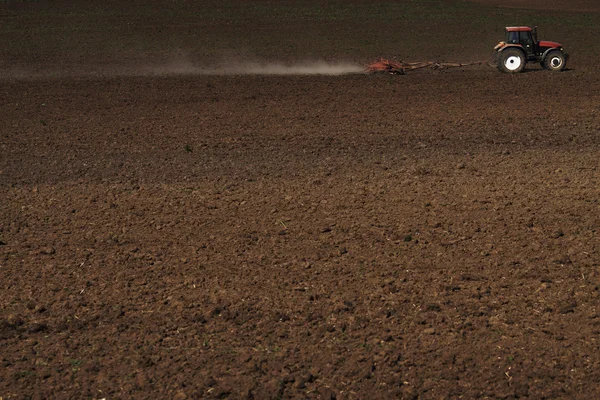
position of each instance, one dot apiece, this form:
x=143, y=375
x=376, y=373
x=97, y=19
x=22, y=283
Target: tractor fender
x=503, y=46
x=548, y=51
x=499, y=46
x=508, y=46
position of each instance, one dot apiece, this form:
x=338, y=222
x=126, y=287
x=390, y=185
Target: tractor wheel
x=511, y=61
x=554, y=61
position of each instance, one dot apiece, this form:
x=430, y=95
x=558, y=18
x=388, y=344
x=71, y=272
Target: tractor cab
x=525, y=37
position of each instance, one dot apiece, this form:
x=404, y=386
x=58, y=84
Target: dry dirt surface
x=186, y=236
x=558, y=5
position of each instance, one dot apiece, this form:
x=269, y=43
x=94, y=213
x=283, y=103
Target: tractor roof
x=518, y=29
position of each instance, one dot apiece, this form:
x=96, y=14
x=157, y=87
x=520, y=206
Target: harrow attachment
x=384, y=66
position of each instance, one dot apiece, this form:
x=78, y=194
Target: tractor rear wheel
x=511, y=61
x=554, y=61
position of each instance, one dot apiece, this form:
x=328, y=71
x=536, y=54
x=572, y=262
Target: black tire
x=511, y=61
x=555, y=60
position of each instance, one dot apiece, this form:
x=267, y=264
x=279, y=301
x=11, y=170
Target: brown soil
x=433, y=236
x=560, y=5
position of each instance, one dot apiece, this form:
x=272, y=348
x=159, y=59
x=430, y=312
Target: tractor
x=522, y=46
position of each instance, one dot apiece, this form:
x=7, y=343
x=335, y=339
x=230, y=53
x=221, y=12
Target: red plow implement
x=384, y=66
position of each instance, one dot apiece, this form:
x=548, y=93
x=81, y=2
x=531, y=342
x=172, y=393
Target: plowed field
x=166, y=233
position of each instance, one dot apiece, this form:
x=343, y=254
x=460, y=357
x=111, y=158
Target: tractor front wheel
x=554, y=61
x=511, y=61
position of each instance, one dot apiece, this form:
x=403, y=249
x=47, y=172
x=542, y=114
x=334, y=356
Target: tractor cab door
x=526, y=40
x=512, y=37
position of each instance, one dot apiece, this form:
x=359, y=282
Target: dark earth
x=428, y=236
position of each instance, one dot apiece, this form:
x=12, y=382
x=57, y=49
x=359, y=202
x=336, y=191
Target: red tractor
x=522, y=46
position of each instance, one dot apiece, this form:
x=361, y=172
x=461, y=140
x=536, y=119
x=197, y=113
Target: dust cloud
x=253, y=68
x=184, y=68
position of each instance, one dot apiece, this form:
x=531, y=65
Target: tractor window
x=526, y=39
x=513, y=37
